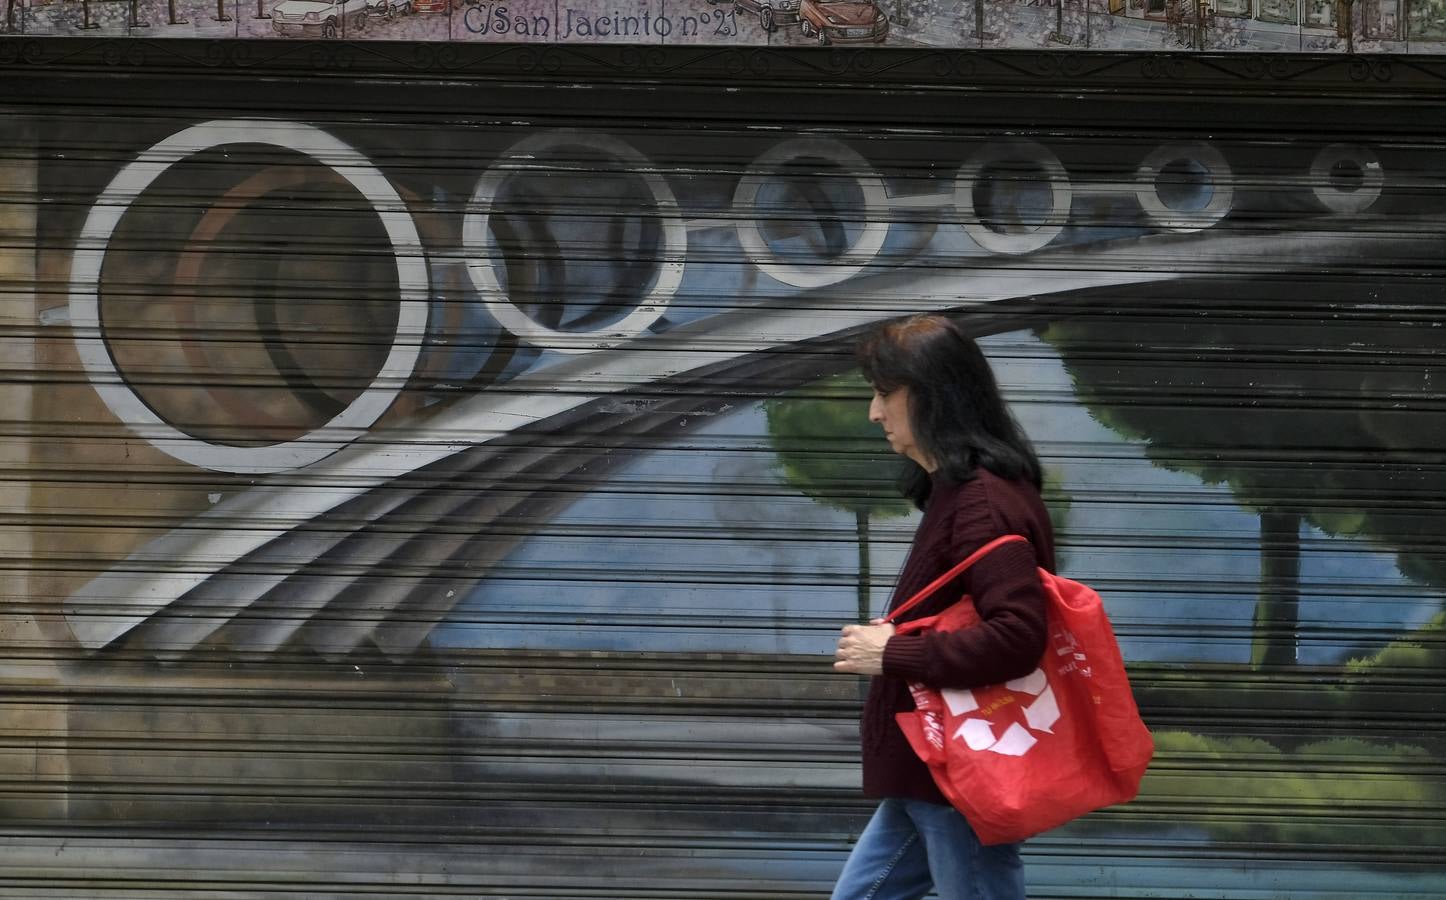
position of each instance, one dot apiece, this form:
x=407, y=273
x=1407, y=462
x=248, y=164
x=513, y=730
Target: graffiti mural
x=516, y=477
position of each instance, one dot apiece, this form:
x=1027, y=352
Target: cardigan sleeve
x=1010, y=637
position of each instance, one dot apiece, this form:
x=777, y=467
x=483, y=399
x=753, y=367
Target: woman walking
x=976, y=477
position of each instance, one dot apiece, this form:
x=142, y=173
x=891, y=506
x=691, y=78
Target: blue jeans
x=911, y=846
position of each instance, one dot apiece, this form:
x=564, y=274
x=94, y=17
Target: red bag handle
x=950, y=575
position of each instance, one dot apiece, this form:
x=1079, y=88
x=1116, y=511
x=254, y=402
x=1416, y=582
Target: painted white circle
x=523, y=156
x=1217, y=171
x=133, y=180
x=1337, y=199
x=766, y=170
x=1061, y=196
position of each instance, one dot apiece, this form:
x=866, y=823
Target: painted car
x=388, y=9
x=431, y=6
x=319, y=18
x=843, y=21
x=771, y=13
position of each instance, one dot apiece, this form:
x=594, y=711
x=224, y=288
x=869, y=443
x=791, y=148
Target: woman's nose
x=876, y=410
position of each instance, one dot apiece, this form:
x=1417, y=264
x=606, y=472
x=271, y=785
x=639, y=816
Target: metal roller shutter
x=428, y=482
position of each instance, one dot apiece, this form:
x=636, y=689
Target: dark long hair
x=958, y=416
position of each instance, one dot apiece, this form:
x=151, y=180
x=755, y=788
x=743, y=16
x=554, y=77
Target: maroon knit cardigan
x=1008, y=642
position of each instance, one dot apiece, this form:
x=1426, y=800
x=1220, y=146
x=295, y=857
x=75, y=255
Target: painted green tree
x=830, y=451
x=1301, y=416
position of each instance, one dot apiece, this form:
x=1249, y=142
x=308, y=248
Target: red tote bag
x=1026, y=756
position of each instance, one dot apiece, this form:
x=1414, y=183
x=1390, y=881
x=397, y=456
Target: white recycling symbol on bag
x=978, y=733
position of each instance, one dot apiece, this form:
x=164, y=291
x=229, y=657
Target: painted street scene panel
x=1284, y=26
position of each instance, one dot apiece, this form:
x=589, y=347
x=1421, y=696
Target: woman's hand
x=861, y=649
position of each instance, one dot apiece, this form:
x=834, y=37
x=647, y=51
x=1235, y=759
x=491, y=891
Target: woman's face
x=891, y=411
